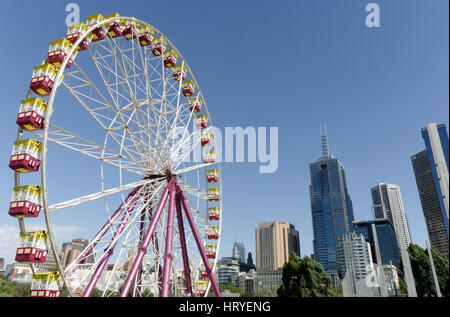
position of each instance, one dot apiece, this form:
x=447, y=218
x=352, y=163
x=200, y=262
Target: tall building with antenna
x=331, y=208
x=239, y=251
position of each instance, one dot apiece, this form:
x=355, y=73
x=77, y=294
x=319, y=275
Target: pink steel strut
x=104, y=229
x=141, y=237
x=144, y=245
x=169, y=239
x=98, y=272
x=187, y=271
x=198, y=240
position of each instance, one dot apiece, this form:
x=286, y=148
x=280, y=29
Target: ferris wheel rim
x=57, y=83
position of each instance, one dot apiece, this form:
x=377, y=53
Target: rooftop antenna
x=323, y=134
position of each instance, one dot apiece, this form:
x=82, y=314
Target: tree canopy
x=423, y=276
x=304, y=277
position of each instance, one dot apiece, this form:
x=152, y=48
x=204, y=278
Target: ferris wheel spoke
x=81, y=145
x=193, y=168
x=94, y=196
x=153, y=152
x=194, y=191
x=98, y=117
x=138, y=143
x=89, y=250
x=127, y=224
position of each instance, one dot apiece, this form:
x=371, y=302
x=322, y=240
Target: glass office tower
x=386, y=238
x=436, y=143
x=331, y=209
x=434, y=217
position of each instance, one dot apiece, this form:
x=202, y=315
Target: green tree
x=231, y=287
x=304, y=277
x=423, y=276
x=13, y=289
x=403, y=287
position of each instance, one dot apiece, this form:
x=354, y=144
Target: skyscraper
x=2, y=265
x=72, y=249
x=355, y=255
x=274, y=243
x=434, y=216
x=331, y=208
x=436, y=143
x=239, y=251
x=388, y=204
x=384, y=236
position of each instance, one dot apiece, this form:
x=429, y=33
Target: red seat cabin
x=42, y=79
x=195, y=104
x=75, y=32
x=32, y=247
x=206, y=139
x=179, y=72
x=25, y=201
x=130, y=30
x=213, y=213
x=115, y=28
x=99, y=33
x=212, y=176
x=201, y=121
x=145, y=34
x=25, y=156
x=159, y=45
x=58, y=51
x=31, y=114
x=170, y=58
x=188, y=88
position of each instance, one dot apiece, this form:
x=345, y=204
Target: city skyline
x=295, y=205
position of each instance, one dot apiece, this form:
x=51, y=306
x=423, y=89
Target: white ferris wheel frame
x=94, y=150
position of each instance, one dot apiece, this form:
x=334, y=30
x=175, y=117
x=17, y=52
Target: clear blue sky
x=288, y=64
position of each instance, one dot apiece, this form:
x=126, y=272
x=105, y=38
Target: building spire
x=323, y=134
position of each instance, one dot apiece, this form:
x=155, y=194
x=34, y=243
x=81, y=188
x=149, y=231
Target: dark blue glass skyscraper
x=331, y=209
x=386, y=238
x=436, y=142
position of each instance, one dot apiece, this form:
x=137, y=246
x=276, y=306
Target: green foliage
x=403, y=287
x=13, y=289
x=423, y=276
x=96, y=293
x=441, y=264
x=265, y=292
x=304, y=277
x=231, y=287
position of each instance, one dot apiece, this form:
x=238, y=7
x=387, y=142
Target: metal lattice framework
x=156, y=240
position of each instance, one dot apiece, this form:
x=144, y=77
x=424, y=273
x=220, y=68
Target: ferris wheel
x=118, y=94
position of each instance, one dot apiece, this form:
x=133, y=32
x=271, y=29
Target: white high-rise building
x=388, y=204
x=355, y=255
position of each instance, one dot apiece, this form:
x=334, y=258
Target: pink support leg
x=98, y=272
x=141, y=238
x=187, y=271
x=104, y=229
x=169, y=240
x=198, y=241
x=143, y=247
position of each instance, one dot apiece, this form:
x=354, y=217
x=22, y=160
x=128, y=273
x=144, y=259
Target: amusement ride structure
x=164, y=213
